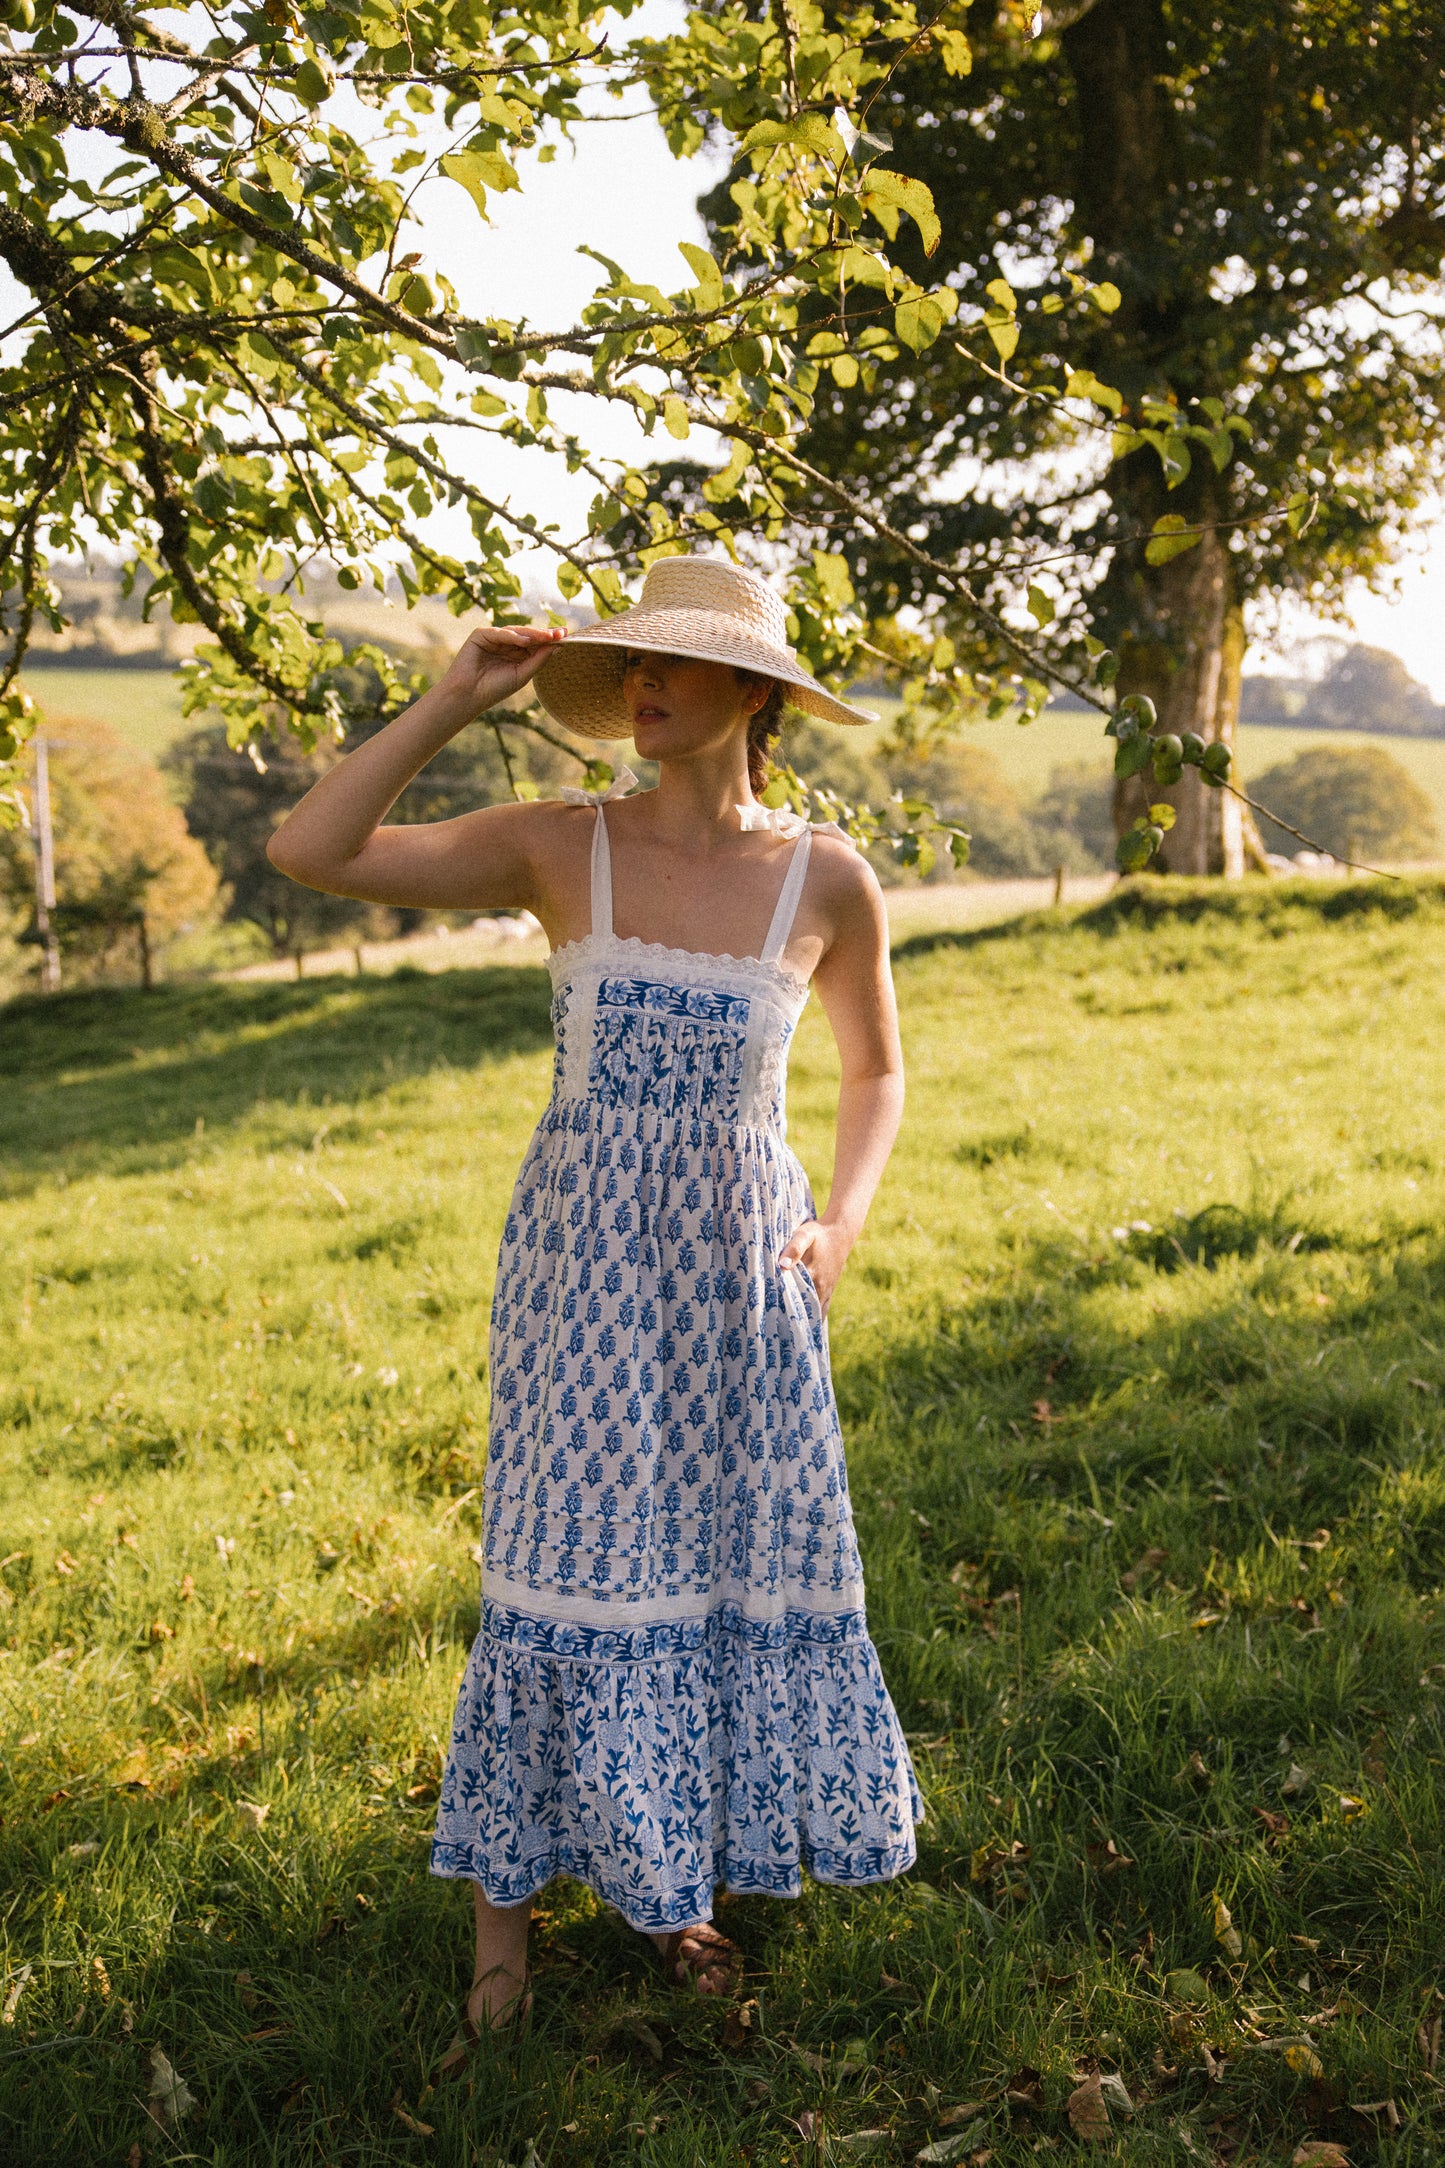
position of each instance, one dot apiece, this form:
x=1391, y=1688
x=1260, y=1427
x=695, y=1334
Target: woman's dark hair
x=764, y=731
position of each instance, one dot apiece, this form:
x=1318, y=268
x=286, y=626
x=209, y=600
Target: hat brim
x=580, y=684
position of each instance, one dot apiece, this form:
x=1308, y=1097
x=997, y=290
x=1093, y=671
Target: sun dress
x=673, y=1686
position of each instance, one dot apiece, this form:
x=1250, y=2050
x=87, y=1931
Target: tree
x=235, y=800
x=128, y=877
x=1263, y=184
x=238, y=360
x=1356, y=800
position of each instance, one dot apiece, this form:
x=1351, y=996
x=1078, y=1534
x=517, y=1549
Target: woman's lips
x=650, y=715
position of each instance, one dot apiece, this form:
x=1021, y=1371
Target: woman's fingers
x=797, y=1248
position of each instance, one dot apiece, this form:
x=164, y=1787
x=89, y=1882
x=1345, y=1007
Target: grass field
x=1141, y=1364
x=143, y=705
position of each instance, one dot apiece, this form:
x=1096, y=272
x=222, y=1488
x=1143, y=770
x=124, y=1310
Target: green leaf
x=1000, y=292
x=257, y=354
x=919, y=321
x=1083, y=384
x=1004, y=332
x=1041, y=607
x=954, y=51
x=1163, y=816
x=477, y=171
x=708, y=292
x=569, y=580
x=808, y=132
x=1170, y=537
x=883, y=193
x=1134, y=755
x=1105, y=296
x=833, y=579
x=674, y=417
x=1134, y=849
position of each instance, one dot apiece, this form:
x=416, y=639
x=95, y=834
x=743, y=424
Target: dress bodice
x=682, y=1034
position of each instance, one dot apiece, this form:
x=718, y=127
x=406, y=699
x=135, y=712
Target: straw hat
x=698, y=606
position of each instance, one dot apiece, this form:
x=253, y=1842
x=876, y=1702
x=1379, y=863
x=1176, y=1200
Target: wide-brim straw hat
x=703, y=607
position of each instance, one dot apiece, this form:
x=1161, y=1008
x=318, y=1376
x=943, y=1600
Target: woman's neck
x=696, y=799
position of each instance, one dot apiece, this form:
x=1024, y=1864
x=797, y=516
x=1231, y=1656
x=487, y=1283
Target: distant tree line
x=1363, y=688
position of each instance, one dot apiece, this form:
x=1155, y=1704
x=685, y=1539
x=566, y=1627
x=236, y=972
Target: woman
x=673, y=1685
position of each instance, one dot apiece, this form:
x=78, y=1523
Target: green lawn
x=1141, y=1366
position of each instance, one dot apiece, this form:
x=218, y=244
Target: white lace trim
x=704, y=965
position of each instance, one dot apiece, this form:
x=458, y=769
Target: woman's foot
x=700, y=1958
x=498, y=2003
x=500, y=1997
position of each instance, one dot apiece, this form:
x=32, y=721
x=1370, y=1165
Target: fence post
x=45, y=873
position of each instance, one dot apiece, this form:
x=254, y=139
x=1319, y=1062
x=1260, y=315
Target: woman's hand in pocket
x=823, y=1250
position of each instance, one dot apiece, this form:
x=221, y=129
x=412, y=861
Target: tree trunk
x=1178, y=626
x=1188, y=656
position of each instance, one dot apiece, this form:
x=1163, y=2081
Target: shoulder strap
x=601, y=879
x=787, y=905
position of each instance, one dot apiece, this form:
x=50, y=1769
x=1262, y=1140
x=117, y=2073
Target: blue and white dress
x=673, y=1686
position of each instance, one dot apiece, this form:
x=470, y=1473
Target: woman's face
x=680, y=706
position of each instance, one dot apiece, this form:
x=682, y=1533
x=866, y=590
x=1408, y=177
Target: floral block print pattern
x=678, y=1049
x=673, y=1685
x=654, y=1764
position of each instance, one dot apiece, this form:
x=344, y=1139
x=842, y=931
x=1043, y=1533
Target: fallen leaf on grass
x=1195, y=1771
x=1274, y=1825
x=1025, y=2089
x=1088, y=2116
x=968, y=2113
x=134, y=2157
x=858, y=2144
x=1319, y=2153
x=1214, y=2065
x=83, y=1850
x=171, y=2099
x=1116, y=2093
x=806, y=2125
x=1226, y=1934
x=1186, y=1985
x=738, y=2025
x=1204, y=1619
x=1106, y=1858
x=1351, y=1807
x=1297, y=1782
x=1386, y=2108
x=410, y=2122
x=1428, y=2041
x=18, y=1984
x=945, y=2149
x=1304, y=2062
x=639, y=2031
x=253, y=1811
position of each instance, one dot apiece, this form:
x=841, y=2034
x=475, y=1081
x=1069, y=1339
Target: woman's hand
x=492, y=662
x=824, y=1250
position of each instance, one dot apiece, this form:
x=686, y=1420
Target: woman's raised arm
x=334, y=840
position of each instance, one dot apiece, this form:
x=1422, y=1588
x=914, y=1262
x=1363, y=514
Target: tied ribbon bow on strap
x=573, y=794
x=784, y=822
x=781, y=819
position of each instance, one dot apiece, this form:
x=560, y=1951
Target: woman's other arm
x=334, y=840
x=855, y=986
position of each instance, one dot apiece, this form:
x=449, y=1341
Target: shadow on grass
x=94, y=1074
x=1152, y=902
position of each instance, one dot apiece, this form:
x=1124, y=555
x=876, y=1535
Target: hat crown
x=711, y=583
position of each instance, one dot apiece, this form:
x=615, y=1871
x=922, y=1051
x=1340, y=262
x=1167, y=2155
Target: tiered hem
x=656, y=1763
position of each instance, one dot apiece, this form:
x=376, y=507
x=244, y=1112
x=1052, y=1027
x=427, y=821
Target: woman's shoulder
x=845, y=888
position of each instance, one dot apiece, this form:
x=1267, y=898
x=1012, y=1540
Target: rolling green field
x=143, y=705
x=1141, y=1365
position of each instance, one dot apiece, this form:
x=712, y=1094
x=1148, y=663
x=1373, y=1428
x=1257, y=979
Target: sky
x=620, y=191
